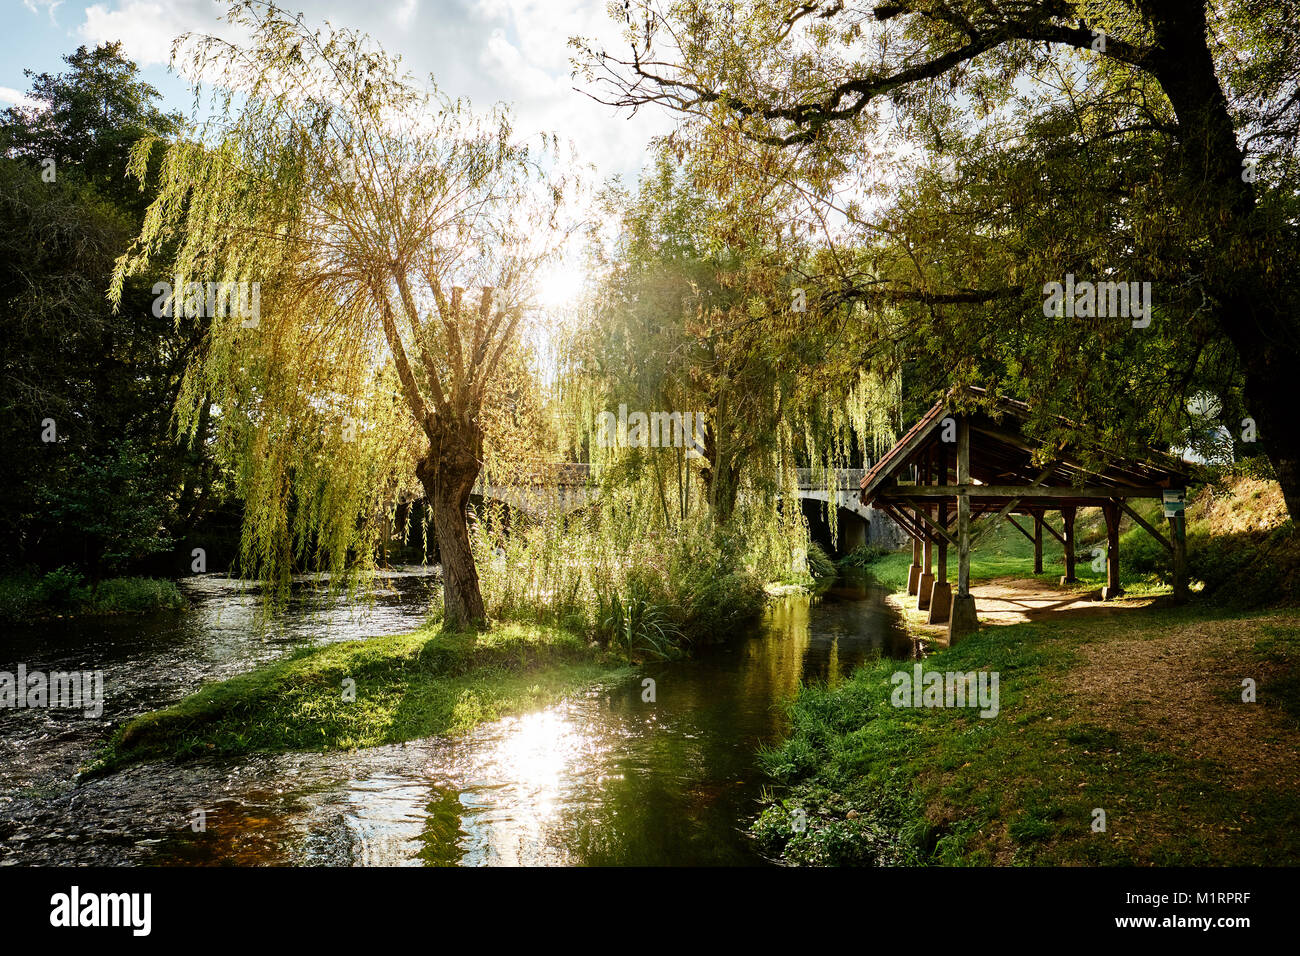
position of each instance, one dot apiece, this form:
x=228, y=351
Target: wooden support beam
x=903, y=519
x=1112, y=588
x=941, y=594
x=1067, y=518
x=989, y=524
x=1146, y=526
x=941, y=569
x=925, y=585
x=914, y=572
x=1038, y=543
x=977, y=492
x=939, y=530
x=962, y=618
x=963, y=507
x=1019, y=527
x=1178, y=532
x=1052, y=531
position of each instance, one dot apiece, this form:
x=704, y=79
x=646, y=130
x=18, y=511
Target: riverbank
x=365, y=693
x=27, y=599
x=1129, y=715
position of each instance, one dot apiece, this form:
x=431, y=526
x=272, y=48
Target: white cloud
x=147, y=28
x=36, y=5
x=404, y=15
x=9, y=95
x=513, y=51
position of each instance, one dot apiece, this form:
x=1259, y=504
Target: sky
x=512, y=51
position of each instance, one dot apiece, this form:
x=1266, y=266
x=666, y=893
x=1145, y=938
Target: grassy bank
x=1142, y=718
x=1133, y=710
x=65, y=593
x=406, y=686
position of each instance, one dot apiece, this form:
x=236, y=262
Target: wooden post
x=1067, y=516
x=941, y=593
x=1112, y=588
x=1038, y=542
x=925, y=584
x=914, y=572
x=1178, y=538
x=962, y=618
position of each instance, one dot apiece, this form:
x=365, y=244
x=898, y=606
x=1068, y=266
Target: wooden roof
x=1002, y=461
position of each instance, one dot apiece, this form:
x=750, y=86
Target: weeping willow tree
x=366, y=206
x=702, y=309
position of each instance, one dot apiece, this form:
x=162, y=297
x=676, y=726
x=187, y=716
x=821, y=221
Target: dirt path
x=1020, y=600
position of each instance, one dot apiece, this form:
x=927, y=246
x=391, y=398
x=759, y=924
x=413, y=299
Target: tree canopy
x=971, y=154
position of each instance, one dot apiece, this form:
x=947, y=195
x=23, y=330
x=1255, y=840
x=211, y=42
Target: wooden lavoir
x=955, y=476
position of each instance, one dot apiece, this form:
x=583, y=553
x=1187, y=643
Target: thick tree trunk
x=448, y=475
x=1256, y=302
x=1270, y=390
x=722, y=494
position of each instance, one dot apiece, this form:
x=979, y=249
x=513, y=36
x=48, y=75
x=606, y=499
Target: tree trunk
x=448, y=475
x=1255, y=311
x=1270, y=388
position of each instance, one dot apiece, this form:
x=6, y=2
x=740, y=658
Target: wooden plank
x=1017, y=492
x=1019, y=527
x=930, y=522
x=989, y=523
x=963, y=507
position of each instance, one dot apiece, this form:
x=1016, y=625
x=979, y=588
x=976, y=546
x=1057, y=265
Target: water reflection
x=605, y=778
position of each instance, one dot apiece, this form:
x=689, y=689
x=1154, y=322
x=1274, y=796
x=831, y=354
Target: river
x=606, y=777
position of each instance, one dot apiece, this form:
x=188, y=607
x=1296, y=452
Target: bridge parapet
x=846, y=479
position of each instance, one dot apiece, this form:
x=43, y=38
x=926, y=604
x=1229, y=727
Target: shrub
x=61, y=588
x=863, y=556
x=137, y=595
x=820, y=565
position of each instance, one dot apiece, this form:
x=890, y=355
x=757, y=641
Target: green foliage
x=1246, y=570
x=116, y=505
x=637, y=626
x=867, y=783
x=136, y=596
x=407, y=686
x=61, y=588
x=65, y=592
x=87, y=120
x=863, y=556
x=603, y=573
x=362, y=201
x=114, y=485
x=1033, y=153
x=820, y=564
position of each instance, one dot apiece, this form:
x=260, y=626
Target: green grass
x=406, y=686
x=1006, y=552
x=886, y=785
x=1135, y=713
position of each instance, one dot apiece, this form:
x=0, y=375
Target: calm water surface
x=604, y=778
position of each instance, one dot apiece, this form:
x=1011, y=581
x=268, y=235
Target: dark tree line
x=93, y=475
